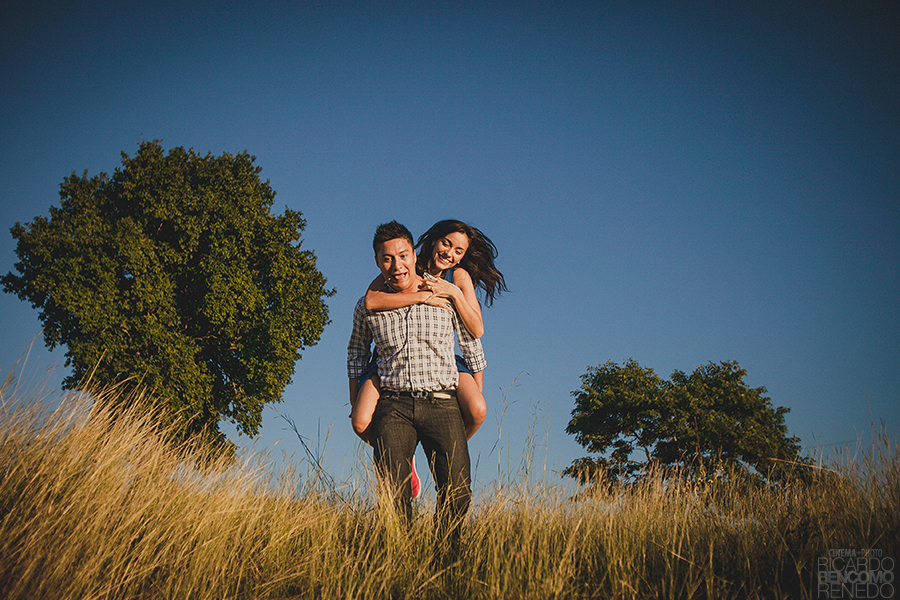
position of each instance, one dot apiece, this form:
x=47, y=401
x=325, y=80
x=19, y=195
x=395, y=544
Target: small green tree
x=710, y=421
x=173, y=274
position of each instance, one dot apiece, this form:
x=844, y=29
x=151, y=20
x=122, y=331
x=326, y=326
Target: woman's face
x=449, y=250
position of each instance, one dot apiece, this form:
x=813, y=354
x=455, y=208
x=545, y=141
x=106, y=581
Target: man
x=418, y=374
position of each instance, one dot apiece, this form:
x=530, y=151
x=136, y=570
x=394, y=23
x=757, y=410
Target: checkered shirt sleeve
x=358, y=350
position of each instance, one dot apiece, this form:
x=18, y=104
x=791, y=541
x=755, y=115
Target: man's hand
x=354, y=392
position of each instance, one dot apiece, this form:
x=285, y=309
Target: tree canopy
x=710, y=421
x=174, y=274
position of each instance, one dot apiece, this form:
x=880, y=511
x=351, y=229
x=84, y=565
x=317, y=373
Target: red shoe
x=416, y=484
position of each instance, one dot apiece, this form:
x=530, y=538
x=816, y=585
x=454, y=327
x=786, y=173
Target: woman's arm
x=469, y=311
x=379, y=299
x=462, y=293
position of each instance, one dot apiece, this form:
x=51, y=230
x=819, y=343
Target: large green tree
x=174, y=274
x=710, y=421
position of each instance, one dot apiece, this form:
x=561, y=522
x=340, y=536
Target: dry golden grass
x=97, y=505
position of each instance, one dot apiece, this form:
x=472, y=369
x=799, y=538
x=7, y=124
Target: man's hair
x=391, y=231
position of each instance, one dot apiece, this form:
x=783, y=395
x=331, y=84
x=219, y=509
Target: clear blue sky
x=673, y=182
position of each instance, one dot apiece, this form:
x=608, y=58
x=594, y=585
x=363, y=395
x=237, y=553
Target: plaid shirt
x=415, y=347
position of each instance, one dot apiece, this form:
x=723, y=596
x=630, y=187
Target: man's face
x=397, y=260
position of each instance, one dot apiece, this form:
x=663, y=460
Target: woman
x=460, y=259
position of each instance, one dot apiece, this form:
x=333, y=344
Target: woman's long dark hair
x=478, y=260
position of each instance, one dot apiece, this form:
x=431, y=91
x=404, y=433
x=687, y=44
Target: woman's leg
x=471, y=403
x=364, y=409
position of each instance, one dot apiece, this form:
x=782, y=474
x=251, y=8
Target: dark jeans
x=401, y=421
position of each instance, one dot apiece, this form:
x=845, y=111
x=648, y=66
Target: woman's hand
x=443, y=293
x=439, y=302
x=441, y=288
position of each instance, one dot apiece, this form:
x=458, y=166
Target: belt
x=441, y=394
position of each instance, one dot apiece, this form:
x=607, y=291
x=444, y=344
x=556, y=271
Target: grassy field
x=98, y=507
